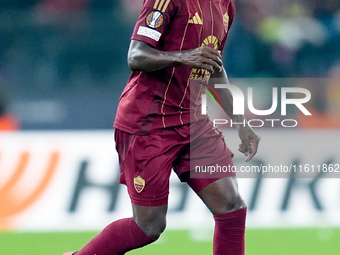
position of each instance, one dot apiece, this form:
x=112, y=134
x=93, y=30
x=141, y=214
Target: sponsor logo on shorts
x=139, y=183
x=154, y=19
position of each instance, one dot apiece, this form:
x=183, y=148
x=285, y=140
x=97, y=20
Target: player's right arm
x=144, y=57
x=152, y=24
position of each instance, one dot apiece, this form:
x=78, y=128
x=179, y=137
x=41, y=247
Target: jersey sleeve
x=154, y=20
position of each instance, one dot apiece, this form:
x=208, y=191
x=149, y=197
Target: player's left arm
x=249, y=139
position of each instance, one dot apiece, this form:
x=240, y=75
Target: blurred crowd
x=285, y=38
x=291, y=39
x=48, y=45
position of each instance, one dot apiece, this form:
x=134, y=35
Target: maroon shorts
x=146, y=161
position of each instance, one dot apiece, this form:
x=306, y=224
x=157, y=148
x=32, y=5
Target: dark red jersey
x=171, y=97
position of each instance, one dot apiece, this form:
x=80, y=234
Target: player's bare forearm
x=143, y=57
x=226, y=96
x=249, y=139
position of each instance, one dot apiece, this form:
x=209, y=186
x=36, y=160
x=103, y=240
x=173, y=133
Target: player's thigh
x=221, y=196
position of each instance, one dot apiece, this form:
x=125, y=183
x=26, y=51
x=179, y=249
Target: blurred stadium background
x=62, y=69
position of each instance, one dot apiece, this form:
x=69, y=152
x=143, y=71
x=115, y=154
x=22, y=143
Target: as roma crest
x=139, y=183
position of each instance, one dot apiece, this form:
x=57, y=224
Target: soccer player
x=175, y=49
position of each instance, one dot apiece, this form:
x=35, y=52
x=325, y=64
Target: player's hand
x=249, y=142
x=202, y=57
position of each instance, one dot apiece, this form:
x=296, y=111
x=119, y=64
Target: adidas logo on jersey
x=196, y=19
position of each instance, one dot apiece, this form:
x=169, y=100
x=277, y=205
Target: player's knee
x=154, y=228
x=233, y=203
x=236, y=203
x=151, y=220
